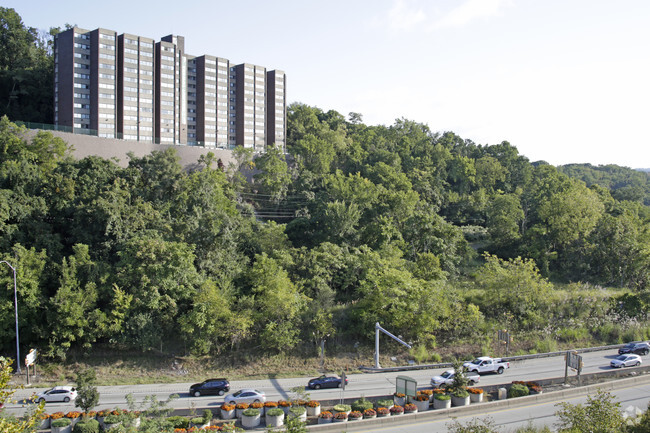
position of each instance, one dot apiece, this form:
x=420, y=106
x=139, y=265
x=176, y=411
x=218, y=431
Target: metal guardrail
x=507, y=359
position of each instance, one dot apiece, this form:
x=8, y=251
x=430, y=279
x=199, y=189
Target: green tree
x=601, y=414
x=87, y=394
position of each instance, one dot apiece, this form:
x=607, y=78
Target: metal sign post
x=574, y=362
x=406, y=385
x=377, y=329
x=30, y=359
x=505, y=338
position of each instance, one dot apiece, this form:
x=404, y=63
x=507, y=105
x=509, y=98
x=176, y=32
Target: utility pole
x=16, y=309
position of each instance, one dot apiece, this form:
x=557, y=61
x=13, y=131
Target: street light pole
x=16, y=308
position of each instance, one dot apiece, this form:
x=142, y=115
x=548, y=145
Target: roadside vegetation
x=441, y=240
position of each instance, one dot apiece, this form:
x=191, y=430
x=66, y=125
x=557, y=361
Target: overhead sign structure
x=399, y=340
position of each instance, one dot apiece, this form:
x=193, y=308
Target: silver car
x=58, y=393
x=246, y=396
x=628, y=360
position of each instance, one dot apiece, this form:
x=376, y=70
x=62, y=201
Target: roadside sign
x=343, y=380
x=30, y=358
x=406, y=385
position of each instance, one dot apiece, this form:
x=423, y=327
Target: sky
x=564, y=81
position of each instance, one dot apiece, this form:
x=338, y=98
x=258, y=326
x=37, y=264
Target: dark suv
x=210, y=387
x=638, y=347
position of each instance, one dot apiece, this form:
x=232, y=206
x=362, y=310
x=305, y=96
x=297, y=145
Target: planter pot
x=109, y=426
x=339, y=420
x=422, y=405
x=441, y=404
x=45, y=424
x=413, y=411
x=302, y=417
x=73, y=421
x=250, y=421
x=383, y=415
x=354, y=419
x=370, y=417
x=535, y=392
x=396, y=413
x=285, y=409
x=274, y=421
x=100, y=420
x=66, y=429
x=313, y=411
x=399, y=401
x=324, y=420
x=199, y=426
x=239, y=412
x=476, y=398
x=136, y=422
x=227, y=414
x=459, y=401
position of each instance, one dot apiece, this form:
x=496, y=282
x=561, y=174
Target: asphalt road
x=365, y=384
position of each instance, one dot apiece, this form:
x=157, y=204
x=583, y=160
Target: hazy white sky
x=562, y=80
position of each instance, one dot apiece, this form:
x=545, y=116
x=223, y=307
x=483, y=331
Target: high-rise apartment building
x=134, y=88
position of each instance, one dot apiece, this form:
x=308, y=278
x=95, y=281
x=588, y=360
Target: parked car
x=210, y=387
x=246, y=396
x=447, y=378
x=485, y=364
x=325, y=382
x=628, y=360
x=58, y=393
x=638, y=347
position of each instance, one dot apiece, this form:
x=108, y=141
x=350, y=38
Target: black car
x=638, y=347
x=326, y=382
x=210, y=387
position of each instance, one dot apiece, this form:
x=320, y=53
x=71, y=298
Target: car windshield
x=237, y=394
x=446, y=374
x=630, y=345
x=476, y=361
x=622, y=357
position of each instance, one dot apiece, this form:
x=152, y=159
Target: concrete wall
x=88, y=145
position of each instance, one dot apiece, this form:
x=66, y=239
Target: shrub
x=475, y=390
x=361, y=404
x=369, y=413
x=86, y=426
x=442, y=397
x=73, y=415
x=271, y=404
x=325, y=415
x=399, y=395
x=342, y=408
x=57, y=415
x=242, y=406
x=227, y=407
x=61, y=422
x=518, y=390
x=257, y=405
x=251, y=412
x=177, y=421
x=313, y=403
x=385, y=403
x=427, y=392
x=461, y=393
x=410, y=407
x=355, y=414
x=382, y=411
x=197, y=420
x=341, y=415
x=397, y=409
x=276, y=411
x=422, y=397
x=284, y=403
x=297, y=410
x=111, y=418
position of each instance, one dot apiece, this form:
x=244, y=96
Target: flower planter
x=274, y=421
x=199, y=426
x=476, y=398
x=459, y=401
x=422, y=405
x=383, y=415
x=354, y=419
x=441, y=404
x=227, y=414
x=324, y=420
x=65, y=429
x=73, y=421
x=370, y=417
x=45, y=424
x=250, y=421
x=399, y=401
x=239, y=412
x=285, y=409
x=313, y=411
x=339, y=420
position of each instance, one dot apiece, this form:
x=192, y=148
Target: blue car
x=326, y=382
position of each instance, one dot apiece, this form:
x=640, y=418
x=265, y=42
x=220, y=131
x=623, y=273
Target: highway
x=364, y=384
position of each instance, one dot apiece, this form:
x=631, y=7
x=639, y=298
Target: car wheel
x=197, y=393
x=232, y=402
x=41, y=400
x=221, y=392
x=316, y=386
x=471, y=382
x=257, y=400
x=645, y=352
x=500, y=370
x=338, y=385
x=637, y=364
x=67, y=399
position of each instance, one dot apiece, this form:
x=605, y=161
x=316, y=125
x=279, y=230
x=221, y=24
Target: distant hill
x=624, y=183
